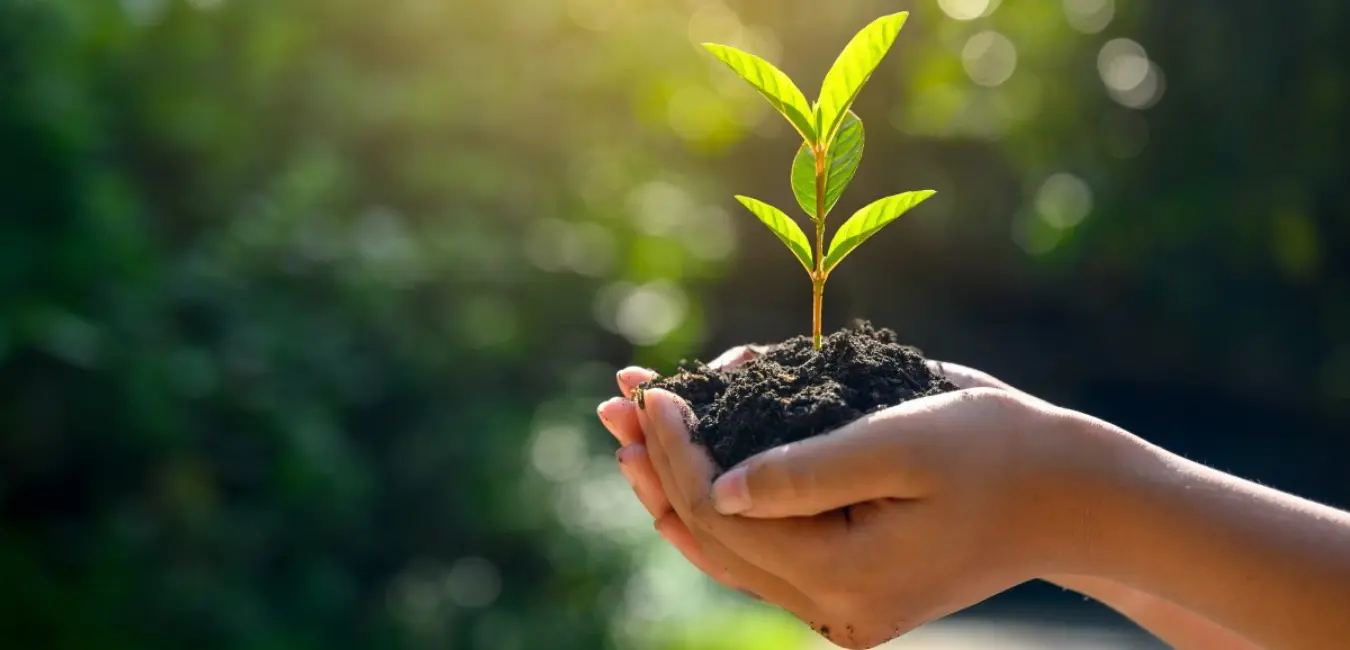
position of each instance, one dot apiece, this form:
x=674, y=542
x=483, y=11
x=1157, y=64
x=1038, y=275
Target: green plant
x=831, y=150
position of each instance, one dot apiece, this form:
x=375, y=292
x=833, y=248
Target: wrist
x=1126, y=600
x=1084, y=493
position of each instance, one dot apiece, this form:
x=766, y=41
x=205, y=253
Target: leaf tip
x=898, y=17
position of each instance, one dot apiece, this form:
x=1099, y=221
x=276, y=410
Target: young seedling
x=832, y=147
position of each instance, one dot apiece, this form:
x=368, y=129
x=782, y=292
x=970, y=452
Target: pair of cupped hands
x=892, y=521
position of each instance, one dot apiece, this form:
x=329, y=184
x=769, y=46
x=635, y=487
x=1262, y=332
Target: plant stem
x=818, y=275
x=817, y=296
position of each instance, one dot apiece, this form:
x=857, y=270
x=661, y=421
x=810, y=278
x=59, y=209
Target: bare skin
x=985, y=489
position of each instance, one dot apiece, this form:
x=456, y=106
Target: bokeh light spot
x=650, y=312
x=559, y=451
x=717, y=23
x=144, y=12
x=710, y=233
x=473, y=582
x=414, y=596
x=762, y=40
x=1063, y=201
x=590, y=250
x=933, y=111
x=989, y=58
x=1089, y=16
x=967, y=9
x=1144, y=95
x=659, y=208
x=600, y=502
x=586, y=248
x=1130, y=77
x=1123, y=64
x=606, y=304
x=694, y=112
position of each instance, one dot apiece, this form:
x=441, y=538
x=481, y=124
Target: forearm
x=1176, y=626
x=1269, y=566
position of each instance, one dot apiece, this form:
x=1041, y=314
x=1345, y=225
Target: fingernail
x=600, y=410
x=633, y=376
x=731, y=492
x=606, y=407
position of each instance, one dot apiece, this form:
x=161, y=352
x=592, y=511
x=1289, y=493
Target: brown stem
x=818, y=275
x=817, y=296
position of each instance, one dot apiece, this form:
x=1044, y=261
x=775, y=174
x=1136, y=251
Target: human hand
x=943, y=517
x=619, y=415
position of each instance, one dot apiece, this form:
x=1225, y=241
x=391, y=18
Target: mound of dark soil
x=791, y=392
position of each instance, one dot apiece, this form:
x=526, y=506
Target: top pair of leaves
x=818, y=123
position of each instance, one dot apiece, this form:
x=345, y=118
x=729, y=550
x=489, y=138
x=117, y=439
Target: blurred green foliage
x=305, y=306
x=271, y=346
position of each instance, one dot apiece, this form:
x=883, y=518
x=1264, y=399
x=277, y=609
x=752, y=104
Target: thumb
x=861, y=462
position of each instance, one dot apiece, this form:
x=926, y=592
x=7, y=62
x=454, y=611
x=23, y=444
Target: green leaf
x=867, y=221
x=773, y=84
x=787, y=230
x=841, y=163
x=852, y=69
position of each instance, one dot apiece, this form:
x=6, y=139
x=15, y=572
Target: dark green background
x=305, y=304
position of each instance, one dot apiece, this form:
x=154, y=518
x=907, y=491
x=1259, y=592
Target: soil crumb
x=791, y=392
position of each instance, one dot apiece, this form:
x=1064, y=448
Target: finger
x=967, y=377
x=677, y=534
x=746, y=574
x=736, y=356
x=716, y=561
x=785, y=548
x=874, y=457
x=636, y=466
x=631, y=377
x=619, y=416
x=748, y=577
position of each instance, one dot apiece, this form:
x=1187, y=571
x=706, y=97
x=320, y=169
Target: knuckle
x=786, y=478
x=703, y=515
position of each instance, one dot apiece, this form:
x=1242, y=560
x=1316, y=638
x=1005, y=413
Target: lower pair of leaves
x=863, y=224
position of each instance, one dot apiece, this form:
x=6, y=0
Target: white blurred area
x=972, y=634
